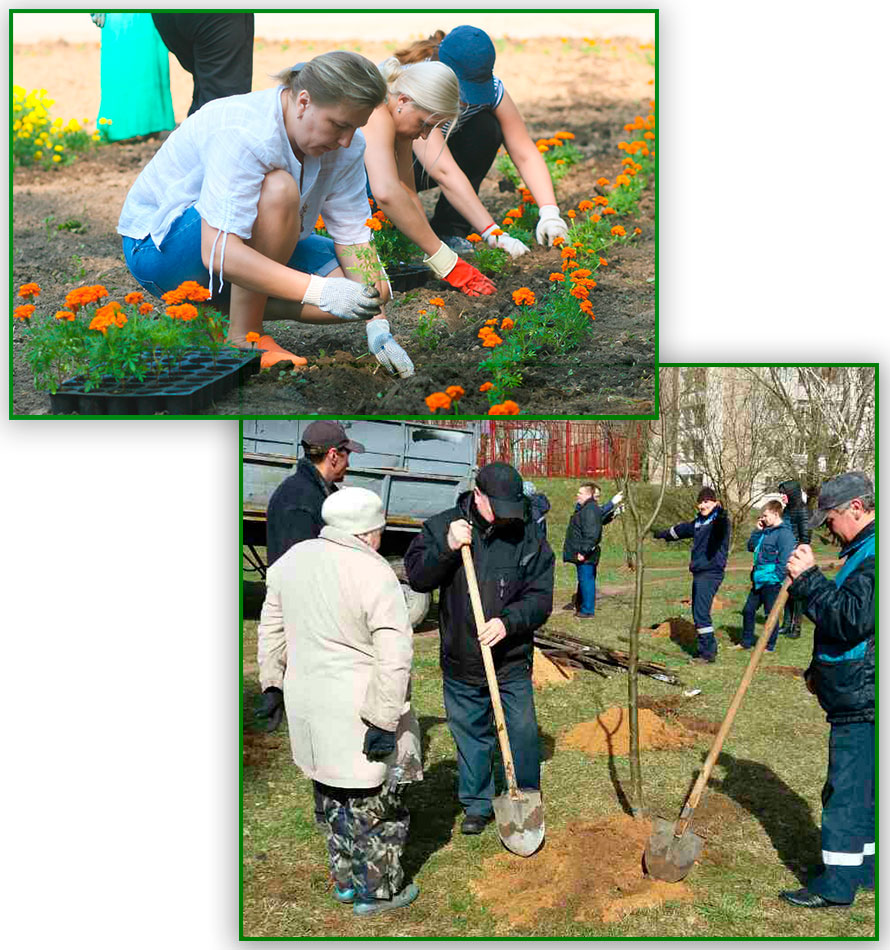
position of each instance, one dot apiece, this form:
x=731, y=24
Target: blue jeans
x=765, y=595
x=848, y=813
x=586, y=602
x=471, y=721
x=704, y=588
x=162, y=269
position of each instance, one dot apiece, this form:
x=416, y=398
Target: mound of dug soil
x=609, y=733
x=547, y=672
x=260, y=747
x=792, y=671
x=677, y=629
x=594, y=869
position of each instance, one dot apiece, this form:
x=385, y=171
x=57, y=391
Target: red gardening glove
x=468, y=280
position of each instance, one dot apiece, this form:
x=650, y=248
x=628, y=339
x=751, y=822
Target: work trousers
x=765, y=595
x=704, y=587
x=471, y=721
x=474, y=145
x=367, y=830
x=585, y=599
x=848, y=814
x=216, y=48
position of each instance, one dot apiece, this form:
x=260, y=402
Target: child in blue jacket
x=710, y=546
x=772, y=543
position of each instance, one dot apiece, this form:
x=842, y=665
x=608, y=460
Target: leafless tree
x=642, y=522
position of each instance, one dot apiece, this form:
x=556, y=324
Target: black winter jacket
x=514, y=567
x=539, y=504
x=294, y=512
x=710, y=540
x=583, y=534
x=842, y=670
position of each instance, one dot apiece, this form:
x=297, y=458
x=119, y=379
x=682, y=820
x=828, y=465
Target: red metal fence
x=553, y=448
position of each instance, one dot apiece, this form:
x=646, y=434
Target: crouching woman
x=334, y=635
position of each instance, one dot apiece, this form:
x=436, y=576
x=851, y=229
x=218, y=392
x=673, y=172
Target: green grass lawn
x=769, y=778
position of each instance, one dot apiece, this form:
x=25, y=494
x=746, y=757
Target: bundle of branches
x=595, y=656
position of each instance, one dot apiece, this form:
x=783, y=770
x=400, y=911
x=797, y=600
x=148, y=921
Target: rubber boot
x=402, y=899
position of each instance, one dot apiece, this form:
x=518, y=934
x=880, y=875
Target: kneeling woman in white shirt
x=233, y=196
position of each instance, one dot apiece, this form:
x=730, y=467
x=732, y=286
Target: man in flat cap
x=514, y=567
x=842, y=676
x=334, y=635
x=294, y=515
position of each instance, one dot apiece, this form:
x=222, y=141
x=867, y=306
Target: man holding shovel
x=842, y=677
x=514, y=566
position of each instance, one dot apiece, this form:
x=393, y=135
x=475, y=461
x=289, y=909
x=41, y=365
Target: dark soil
x=64, y=236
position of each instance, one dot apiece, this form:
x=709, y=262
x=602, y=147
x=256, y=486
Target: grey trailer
x=418, y=469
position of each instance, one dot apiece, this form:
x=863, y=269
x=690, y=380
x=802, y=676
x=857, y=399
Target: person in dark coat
x=294, y=515
x=710, y=547
x=772, y=543
x=797, y=516
x=514, y=568
x=841, y=674
x=582, y=544
x=539, y=505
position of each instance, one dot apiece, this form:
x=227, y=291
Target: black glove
x=658, y=533
x=378, y=744
x=270, y=708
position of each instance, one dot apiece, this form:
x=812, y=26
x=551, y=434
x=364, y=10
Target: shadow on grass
x=434, y=806
x=254, y=592
x=785, y=816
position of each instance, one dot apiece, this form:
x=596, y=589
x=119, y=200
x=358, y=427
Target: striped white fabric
x=845, y=858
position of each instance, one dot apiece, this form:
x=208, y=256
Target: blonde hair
x=339, y=76
x=432, y=87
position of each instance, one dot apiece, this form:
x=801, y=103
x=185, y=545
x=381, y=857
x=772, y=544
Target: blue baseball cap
x=469, y=52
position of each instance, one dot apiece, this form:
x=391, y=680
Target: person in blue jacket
x=710, y=533
x=841, y=674
x=772, y=543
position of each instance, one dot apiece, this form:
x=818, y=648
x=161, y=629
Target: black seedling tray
x=185, y=388
x=408, y=276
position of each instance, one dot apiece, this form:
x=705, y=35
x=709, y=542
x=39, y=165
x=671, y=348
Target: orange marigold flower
x=557, y=277
x=649, y=135
x=600, y=200
x=624, y=146
x=582, y=293
x=543, y=148
x=585, y=205
x=438, y=401
x=567, y=252
x=100, y=324
x=183, y=312
x=109, y=310
x=560, y=161
x=559, y=241
x=319, y=224
x=622, y=180
x=497, y=232
x=523, y=296
x=570, y=213
x=491, y=322
x=252, y=337
x=507, y=222
x=422, y=313
x=637, y=231
x=145, y=308
x=64, y=315
x=474, y=238
x=455, y=392
x=119, y=319
x=437, y=302
x=618, y=231
x=29, y=290
x=563, y=135
x=191, y=290
x=609, y=211
x=587, y=307
x=134, y=297
x=595, y=218
x=627, y=160
x=485, y=387
x=23, y=311
x=511, y=408
x=492, y=339
x=581, y=272
x=508, y=323
x=603, y=262
x=379, y=215
x=497, y=410
x=373, y=224
x=603, y=182
x=515, y=212
x=81, y=296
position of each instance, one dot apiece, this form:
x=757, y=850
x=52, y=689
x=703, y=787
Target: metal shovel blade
x=668, y=857
x=520, y=820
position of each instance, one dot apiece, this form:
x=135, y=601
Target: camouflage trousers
x=367, y=830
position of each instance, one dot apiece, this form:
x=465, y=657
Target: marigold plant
x=436, y=401
x=29, y=290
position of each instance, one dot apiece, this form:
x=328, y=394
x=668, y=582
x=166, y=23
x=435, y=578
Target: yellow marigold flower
x=38, y=154
x=618, y=231
x=57, y=158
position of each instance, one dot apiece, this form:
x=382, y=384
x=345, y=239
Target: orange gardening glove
x=468, y=280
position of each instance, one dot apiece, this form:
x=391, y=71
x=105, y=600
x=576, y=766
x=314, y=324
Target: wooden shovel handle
x=717, y=745
x=490, y=674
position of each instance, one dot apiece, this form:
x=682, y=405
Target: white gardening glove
x=343, y=298
x=617, y=499
x=550, y=225
x=388, y=353
x=442, y=262
x=513, y=246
